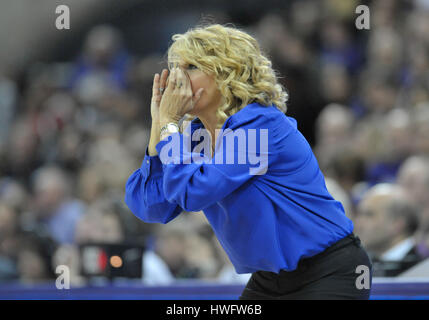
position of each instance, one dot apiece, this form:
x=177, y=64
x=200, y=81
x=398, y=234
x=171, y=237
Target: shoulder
x=256, y=115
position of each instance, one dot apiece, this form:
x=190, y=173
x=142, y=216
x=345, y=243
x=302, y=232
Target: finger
x=179, y=81
x=171, y=80
x=163, y=80
x=199, y=93
x=187, y=81
x=155, y=86
x=197, y=97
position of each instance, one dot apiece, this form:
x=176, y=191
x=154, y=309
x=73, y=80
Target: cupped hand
x=178, y=98
x=159, y=82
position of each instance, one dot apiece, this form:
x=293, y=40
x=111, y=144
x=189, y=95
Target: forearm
x=145, y=198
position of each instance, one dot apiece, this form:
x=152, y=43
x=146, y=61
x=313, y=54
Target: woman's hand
x=177, y=99
x=159, y=82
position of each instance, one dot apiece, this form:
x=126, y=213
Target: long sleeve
x=195, y=185
x=144, y=193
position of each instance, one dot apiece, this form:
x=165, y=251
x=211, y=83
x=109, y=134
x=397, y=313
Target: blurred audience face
x=13, y=193
x=335, y=83
x=22, y=144
x=99, y=227
x=200, y=255
x=421, y=128
x=271, y=31
x=32, y=260
x=50, y=190
x=380, y=97
x=398, y=133
x=171, y=247
x=101, y=44
x=413, y=176
x=90, y=185
x=375, y=224
x=8, y=221
x=334, y=125
x=31, y=266
x=385, y=48
x=304, y=17
x=334, y=35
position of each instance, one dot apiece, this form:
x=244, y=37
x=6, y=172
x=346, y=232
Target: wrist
x=168, y=129
x=165, y=120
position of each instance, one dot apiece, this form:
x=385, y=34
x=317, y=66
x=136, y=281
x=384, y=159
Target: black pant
x=331, y=274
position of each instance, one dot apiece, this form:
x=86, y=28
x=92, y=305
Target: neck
x=210, y=124
x=209, y=119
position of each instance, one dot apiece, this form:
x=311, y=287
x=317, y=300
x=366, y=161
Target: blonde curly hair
x=242, y=72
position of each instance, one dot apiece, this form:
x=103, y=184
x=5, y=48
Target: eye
x=192, y=67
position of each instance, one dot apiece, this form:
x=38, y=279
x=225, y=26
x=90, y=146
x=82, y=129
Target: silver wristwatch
x=170, y=127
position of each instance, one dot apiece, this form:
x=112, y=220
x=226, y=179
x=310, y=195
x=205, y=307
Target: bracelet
x=170, y=127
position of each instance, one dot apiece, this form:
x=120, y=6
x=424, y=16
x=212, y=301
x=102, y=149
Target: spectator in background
x=186, y=245
x=13, y=194
x=347, y=169
x=385, y=52
x=420, y=120
x=54, y=206
x=22, y=156
x=378, y=95
x=386, y=222
x=103, y=57
x=100, y=224
x=34, y=259
x=333, y=130
x=338, y=47
x=414, y=178
x=101, y=75
x=8, y=100
x=395, y=146
x=171, y=246
x=8, y=242
x=334, y=83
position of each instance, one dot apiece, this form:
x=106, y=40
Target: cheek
x=200, y=80
x=196, y=83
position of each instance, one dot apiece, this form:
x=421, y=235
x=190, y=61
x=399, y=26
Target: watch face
x=172, y=128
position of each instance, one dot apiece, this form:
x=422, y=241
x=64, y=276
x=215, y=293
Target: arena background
x=75, y=121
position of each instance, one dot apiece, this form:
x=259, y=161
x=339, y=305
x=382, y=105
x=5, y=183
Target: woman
x=276, y=221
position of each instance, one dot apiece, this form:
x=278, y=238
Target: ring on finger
x=161, y=90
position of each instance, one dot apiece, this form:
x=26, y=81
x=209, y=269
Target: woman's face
x=211, y=97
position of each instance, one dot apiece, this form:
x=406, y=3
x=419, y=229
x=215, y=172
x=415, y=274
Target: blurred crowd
x=72, y=133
